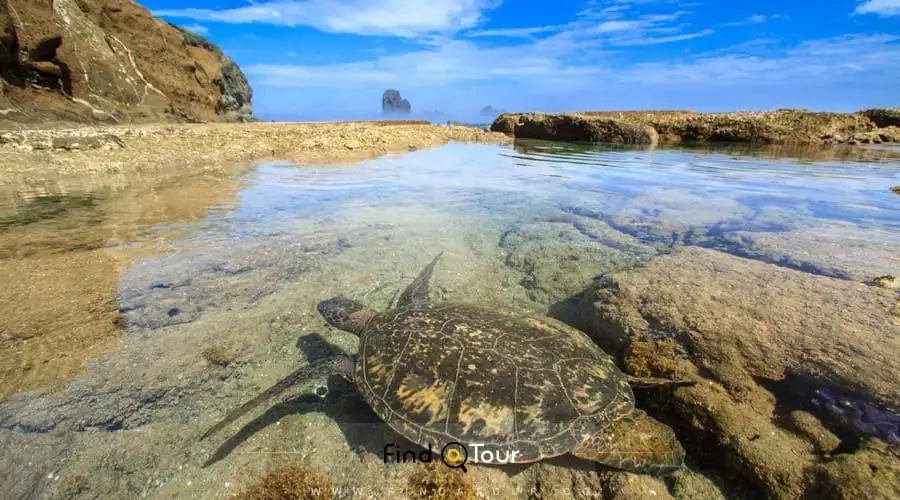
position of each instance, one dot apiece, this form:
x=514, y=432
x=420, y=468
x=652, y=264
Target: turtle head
x=346, y=314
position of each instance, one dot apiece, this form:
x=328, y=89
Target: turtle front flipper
x=417, y=291
x=315, y=374
x=635, y=443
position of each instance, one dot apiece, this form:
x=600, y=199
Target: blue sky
x=330, y=59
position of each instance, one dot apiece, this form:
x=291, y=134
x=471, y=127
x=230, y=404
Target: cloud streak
x=404, y=18
x=881, y=7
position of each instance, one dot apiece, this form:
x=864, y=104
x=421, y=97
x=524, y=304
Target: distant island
x=490, y=111
x=392, y=103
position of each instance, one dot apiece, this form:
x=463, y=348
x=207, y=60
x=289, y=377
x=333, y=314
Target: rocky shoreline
x=28, y=156
x=784, y=126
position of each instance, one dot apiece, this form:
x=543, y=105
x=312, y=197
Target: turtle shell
x=512, y=388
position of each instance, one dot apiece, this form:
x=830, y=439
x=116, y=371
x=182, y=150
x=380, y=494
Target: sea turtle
x=508, y=387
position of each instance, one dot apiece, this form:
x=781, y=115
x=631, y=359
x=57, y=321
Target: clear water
x=138, y=315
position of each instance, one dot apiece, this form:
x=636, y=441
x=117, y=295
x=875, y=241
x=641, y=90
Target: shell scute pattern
x=458, y=372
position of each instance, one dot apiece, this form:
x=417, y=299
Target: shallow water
x=186, y=296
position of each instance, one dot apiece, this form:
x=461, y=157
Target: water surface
x=190, y=294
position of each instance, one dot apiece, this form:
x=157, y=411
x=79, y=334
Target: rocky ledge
x=110, y=61
x=36, y=155
x=797, y=395
x=784, y=126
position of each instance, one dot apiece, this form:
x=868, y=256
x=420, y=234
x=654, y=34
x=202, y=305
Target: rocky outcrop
x=883, y=117
x=236, y=94
x=784, y=126
x=110, y=61
x=572, y=127
x=392, y=103
x=774, y=349
x=489, y=111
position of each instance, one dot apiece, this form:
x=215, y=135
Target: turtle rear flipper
x=635, y=443
x=315, y=374
x=417, y=291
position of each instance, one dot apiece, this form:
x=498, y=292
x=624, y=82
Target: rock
x=753, y=360
x=236, y=94
x=783, y=126
x=722, y=305
x=878, y=136
x=627, y=486
x=883, y=117
x=689, y=485
x=392, y=103
x=569, y=127
x=889, y=282
x=109, y=61
x=896, y=190
x=811, y=427
x=871, y=473
x=558, y=482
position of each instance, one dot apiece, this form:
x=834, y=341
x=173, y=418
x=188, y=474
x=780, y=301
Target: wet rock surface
x=762, y=339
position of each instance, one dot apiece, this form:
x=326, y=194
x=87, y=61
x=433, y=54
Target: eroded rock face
x=883, y=117
x=760, y=339
x=574, y=128
x=783, y=126
x=110, y=61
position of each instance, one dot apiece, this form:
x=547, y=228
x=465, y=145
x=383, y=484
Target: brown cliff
x=110, y=61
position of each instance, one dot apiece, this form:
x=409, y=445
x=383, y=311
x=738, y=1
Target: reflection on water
x=61, y=255
x=206, y=284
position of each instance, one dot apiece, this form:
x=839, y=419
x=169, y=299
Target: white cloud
x=611, y=26
x=407, y=18
x=452, y=63
x=555, y=66
x=665, y=39
x=517, y=32
x=754, y=19
x=880, y=7
x=848, y=59
x=197, y=28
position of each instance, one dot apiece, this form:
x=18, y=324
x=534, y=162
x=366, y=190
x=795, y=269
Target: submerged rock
x=750, y=331
x=570, y=127
x=887, y=281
